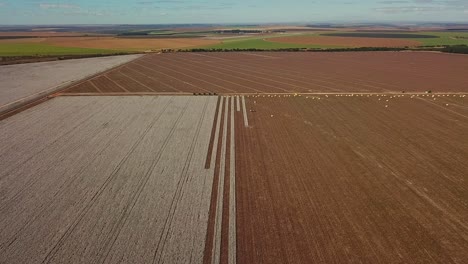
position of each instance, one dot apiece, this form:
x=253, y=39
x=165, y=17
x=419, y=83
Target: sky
x=28, y=12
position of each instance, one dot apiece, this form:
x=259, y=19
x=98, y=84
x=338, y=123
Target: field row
x=221, y=243
x=277, y=72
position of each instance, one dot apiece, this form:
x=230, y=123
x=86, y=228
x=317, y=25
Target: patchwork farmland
x=294, y=158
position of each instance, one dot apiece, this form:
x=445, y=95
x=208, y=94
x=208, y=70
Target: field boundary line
x=99, y=74
x=216, y=256
x=125, y=94
x=215, y=164
x=214, y=130
x=34, y=95
x=246, y=120
x=258, y=55
x=232, y=249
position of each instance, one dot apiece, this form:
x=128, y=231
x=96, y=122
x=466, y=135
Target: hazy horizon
x=69, y=12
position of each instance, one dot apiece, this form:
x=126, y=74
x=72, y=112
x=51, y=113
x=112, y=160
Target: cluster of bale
x=205, y=94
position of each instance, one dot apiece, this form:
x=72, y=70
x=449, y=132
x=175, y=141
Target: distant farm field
x=378, y=35
x=39, y=49
x=446, y=38
x=92, y=45
x=345, y=41
x=264, y=44
x=425, y=38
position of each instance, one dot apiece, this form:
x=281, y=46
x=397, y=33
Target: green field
x=379, y=35
x=436, y=39
x=444, y=38
x=259, y=43
x=38, y=49
x=426, y=38
x=439, y=39
x=162, y=32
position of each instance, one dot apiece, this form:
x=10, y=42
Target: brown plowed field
x=113, y=43
x=283, y=72
x=40, y=34
x=349, y=180
x=347, y=41
x=125, y=44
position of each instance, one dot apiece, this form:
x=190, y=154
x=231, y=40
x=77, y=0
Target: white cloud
x=83, y=12
x=421, y=6
x=408, y=9
x=58, y=6
x=72, y=9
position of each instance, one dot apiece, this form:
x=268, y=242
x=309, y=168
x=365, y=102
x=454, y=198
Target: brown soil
x=133, y=44
x=348, y=180
x=278, y=72
x=40, y=34
x=23, y=40
x=126, y=43
x=347, y=41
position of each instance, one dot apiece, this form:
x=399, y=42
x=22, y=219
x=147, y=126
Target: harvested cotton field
x=117, y=179
x=353, y=179
x=283, y=72
x=25, y=82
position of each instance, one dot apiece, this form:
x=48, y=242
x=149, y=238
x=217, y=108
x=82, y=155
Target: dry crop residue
x=353, y=179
